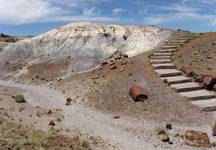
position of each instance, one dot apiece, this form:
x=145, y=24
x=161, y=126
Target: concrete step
x=176, y=44
x=160, y=57
x=168, y=72
x=164, y=66
x=206, y=105
x=186, y=39
x=162, y=54
x=175, y=41
x=169, y=47
x=160, y=61
x=165, y=51
x=185, y=87
x=198, y=94
x=177, y=79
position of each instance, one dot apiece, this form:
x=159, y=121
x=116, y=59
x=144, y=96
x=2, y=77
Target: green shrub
x=214, y=144
x=165, y=81
x=168, y=84
x=19, y=98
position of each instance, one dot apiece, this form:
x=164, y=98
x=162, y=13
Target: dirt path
x=83, y=119
x=123, y=133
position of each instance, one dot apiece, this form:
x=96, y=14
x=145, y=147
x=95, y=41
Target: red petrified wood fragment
x=138, y=94
x=197, y=139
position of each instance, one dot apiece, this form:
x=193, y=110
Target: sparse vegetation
x=168, y=84
x=214, y=144
x=15, y=136
x=165, y=81
x=19, y=98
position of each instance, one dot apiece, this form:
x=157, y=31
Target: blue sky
x=31, y=17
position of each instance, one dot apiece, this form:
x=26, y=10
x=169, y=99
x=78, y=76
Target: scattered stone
x=197, y=139
x=68, y=101
x=209, y=57
x=116, y=117
x=199, y=78
x=165, y=138
x=162, y=132
x=209, y=82
x=104, y=63
x=170, y=142
x=59, y=120
x=169, y=126
x=49, y=112
x=111, y=63
x=187, y=71
x=125, y=55
x=214, y=130
x=214, y=87
x=121, y=69
x=52, y=123
x=95, y=77
x=21, y=109
x=38, y=114
x=113, y=67
x=123, y=63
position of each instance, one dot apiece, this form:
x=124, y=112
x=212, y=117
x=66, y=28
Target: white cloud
x=180, y=8
x=180, y=17
x=20, y=11
x=89, y=12
x=183, y=11
x=117, y=11
x=30, y=11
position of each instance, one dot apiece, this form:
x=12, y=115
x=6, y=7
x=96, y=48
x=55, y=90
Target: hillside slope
x=198, y=57
x=86, y=44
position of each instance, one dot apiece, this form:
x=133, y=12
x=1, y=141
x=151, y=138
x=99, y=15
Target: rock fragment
x=197, y=139
x=209, y=82
x=169, y=126
x=214, y=131
x=165, y=138
x=52, y=123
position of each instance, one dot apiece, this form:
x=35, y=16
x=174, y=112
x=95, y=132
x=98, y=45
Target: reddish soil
x=198, y=55
x=108, y=90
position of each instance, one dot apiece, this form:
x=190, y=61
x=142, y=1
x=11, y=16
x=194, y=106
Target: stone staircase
x=161, y=61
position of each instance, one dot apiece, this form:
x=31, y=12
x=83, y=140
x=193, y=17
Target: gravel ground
x=198, y=55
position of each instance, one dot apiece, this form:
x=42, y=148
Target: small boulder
x=116, y=117
x=59, y=119
x=49, y=112
x=214, y=131
x=165, y=138
x=169, y=126
x=197, y=139
x=52, y=123
x=68, y=101
x=209, y=82
x=161, y=132
x=113, y=67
